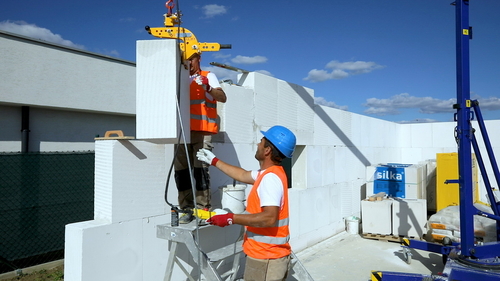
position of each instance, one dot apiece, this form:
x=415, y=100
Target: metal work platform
x=210, y=263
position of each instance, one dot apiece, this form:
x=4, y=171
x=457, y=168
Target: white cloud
x=354, y=67
x=391, y=105
x=249, y=60
x=322, y=101
x=341, y=70
x=419, y=120
x=221, y=56
x=33, y=31
x=107, y=52
x=426, y=105
x=491, y=103
x=213, y=10
x=381, y=111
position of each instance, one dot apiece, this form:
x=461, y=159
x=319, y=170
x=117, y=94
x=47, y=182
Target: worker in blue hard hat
x=266, y=221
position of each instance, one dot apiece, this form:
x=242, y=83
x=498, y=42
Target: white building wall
x=48, y=75
x=72, y=95
x=57, y=129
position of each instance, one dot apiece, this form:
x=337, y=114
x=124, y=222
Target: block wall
x=328, y=176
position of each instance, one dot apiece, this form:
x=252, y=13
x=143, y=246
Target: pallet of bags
x=446, y=223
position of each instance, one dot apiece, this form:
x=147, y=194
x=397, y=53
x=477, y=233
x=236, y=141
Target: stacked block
x=409, y=217
x=397, y=180
x=376, y=216
x=406, y=184
x=130, y=180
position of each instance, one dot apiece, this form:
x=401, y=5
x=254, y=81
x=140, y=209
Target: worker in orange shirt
x=266, y=221
x=205, y=92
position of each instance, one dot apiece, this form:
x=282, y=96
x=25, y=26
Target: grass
x=54, y=274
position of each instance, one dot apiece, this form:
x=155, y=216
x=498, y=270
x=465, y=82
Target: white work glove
x=203, y=81
x=205, y=155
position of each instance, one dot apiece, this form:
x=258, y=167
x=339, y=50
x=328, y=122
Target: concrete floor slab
x=352, y=257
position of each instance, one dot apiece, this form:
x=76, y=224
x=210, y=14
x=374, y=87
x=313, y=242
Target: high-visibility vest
x=268, y=242
x=203, y=110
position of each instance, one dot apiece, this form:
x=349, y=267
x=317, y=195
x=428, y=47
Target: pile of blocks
x=396, y=200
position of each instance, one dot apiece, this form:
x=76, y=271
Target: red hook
x=169, y=7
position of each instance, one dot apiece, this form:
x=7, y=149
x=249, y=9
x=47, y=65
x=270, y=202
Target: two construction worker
x=267, y=213
x=205, y=92
x=266, y=221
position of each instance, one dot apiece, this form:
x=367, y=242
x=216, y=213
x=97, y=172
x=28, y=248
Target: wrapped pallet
x=446, y=223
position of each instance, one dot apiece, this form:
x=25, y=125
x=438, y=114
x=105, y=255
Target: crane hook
x=169, y=7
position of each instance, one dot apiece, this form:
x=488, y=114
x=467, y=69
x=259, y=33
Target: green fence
x=39, y=194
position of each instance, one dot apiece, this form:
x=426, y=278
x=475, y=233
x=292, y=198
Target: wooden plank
x=386, y=237
x=377, y=197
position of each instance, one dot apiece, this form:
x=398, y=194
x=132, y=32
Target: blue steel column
x=464, y=133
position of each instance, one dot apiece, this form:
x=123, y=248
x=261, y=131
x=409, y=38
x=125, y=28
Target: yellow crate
x=447, y=169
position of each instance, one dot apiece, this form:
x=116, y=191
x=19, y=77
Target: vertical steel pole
x=464, y=130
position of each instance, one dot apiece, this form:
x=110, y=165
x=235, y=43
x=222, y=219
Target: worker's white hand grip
x=203, y=82
x=198, y=80
x=205, y=155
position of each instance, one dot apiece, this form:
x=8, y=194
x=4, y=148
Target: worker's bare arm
x=266, y=218
x=234, y=172
x=218, y=94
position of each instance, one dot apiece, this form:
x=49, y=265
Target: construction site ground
x=351, y=257
x=342, y=257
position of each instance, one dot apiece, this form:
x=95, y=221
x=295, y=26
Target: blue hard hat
x=282, y=138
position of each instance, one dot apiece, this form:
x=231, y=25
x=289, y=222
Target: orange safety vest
x=268, y=242
x=203, y=110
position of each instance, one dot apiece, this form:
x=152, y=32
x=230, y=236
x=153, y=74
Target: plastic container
x=233, y=198
x=352, y=225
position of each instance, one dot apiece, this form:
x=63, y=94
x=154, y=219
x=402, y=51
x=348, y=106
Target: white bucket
x=352, y=225
x=233, y=198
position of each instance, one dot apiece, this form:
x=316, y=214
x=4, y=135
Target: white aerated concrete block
x=130, y=179
x=160, y=77
x=98, y=251
x=287, y=101
x=234, y=114
x=409, y=217
x=376, y=216
x=266, y=100
x=277, y=102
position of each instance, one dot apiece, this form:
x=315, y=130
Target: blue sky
x=392, y=59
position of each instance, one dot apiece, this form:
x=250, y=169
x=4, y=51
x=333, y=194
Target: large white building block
x=376, y=216
x=277, y=102
x=132, y=251
x=236, y=115
x=161, y=80
x=409, y=217
x=95, y=250
x=130, y=179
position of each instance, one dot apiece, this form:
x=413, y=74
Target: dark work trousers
x=199, y=170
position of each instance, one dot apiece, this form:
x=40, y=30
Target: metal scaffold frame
x=467, y=259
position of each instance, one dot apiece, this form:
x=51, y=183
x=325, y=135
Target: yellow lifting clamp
x=172, y=30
